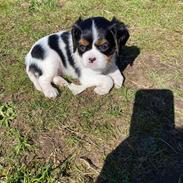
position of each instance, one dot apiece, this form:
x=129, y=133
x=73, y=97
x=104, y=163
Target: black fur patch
x=38, y=52
x=35, y=70
x=83, y=30
x=102, y=26
x=65, y=38
x=53, y=44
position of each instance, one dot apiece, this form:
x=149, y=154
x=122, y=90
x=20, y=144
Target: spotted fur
x=87, y=52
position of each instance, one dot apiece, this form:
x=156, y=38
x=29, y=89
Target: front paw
x=76, y=89
x=101, y=90
x=51, y=92
x=105, y=86
x=118, y=82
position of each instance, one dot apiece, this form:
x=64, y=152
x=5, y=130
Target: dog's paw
x=76, y=89
x=51, y=92
x=118, y=82
x=101, y=90
x=60, y=81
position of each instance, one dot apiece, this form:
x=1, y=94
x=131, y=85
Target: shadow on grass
x=153, y=152
x=127, y=56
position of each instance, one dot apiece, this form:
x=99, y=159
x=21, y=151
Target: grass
x=44, y=140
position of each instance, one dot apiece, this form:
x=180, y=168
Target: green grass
x=43, y=140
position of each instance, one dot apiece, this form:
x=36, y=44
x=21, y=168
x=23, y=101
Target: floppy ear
x=76, y=31
x=120, y=33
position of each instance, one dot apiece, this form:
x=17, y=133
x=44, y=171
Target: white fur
x=99, y=64
x=116, y=75
x=53, y=69
x=94, y=31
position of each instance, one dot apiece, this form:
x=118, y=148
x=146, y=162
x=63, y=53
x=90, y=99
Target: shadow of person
x=127, y=57
x=153, y=152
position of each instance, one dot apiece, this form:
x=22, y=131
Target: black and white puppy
x=87, y=53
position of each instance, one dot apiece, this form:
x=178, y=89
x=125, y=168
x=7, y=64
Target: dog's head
x=96, y=40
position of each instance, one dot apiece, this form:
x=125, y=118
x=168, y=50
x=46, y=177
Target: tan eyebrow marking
x=100, y=42
x=83, y=42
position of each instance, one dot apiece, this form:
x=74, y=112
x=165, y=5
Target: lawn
x=131, y=135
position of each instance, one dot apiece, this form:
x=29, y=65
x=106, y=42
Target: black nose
x=92, y=59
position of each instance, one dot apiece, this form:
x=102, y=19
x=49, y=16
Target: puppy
x=88, y=53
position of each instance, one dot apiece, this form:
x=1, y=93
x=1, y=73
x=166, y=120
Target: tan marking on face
x=100, y=42
x=83, y=42
x=108, y=58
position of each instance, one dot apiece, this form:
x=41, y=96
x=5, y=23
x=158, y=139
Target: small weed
x=104, y=129
x=127, y=93
x=73, y=140
x=116, y=111
x=7, y=114
x=43, y=174
x=22, y=144
x=37, y=6
x=65, y=165
x=89, y=112
x=34, y=6
x=22, y=174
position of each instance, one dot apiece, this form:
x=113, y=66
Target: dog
x=87, y=53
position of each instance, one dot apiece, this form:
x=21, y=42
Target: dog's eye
x=104, y=47
x=82, y=48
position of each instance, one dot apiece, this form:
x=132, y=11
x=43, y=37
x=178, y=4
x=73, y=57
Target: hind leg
x=48, y=90
x=34, y=80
